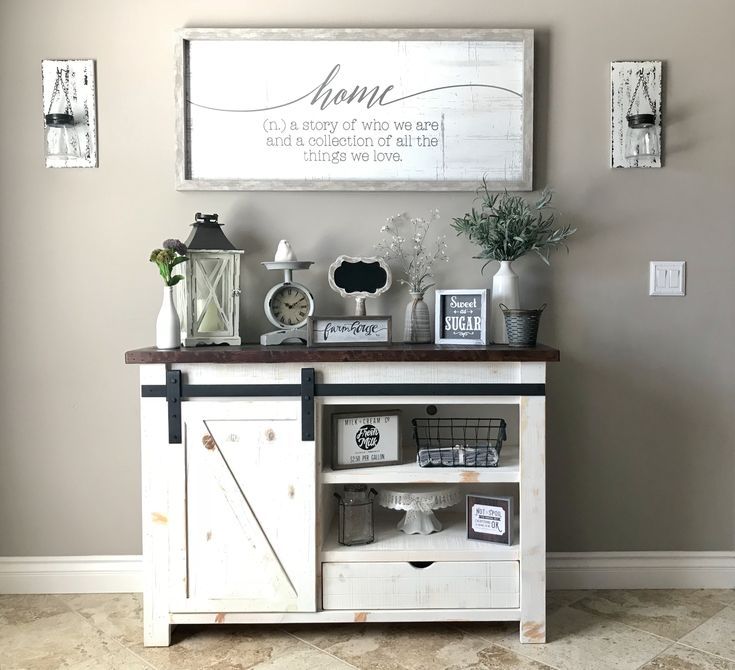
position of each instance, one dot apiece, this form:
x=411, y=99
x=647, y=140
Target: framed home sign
x=354, y=109
x=461, y=316
x=341, y=330
x=365, y=439
x=490, y=519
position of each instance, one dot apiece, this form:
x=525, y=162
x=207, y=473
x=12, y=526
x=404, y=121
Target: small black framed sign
x=365, y=439
x=461, y=316
x=340, y=330
x=490, y=518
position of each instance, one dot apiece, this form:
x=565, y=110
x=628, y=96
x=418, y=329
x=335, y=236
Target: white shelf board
x=450, y=544
x=507, y=472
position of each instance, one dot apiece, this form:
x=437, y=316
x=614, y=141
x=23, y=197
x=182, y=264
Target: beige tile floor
x=650, y=630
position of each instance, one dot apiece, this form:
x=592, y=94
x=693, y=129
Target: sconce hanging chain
x=60, y=84
x=641, y=80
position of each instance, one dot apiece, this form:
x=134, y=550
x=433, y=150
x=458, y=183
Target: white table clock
x=288, y=305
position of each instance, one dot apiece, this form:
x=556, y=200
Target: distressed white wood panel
x=401, y=585
x=157, y=457
x=367, y=373
x=624, y=77
x=451, y=544
x=77, y=80
x=250, y=538
x=533, y=519
x=379, y=109
x=349, y=616
x=507, y=472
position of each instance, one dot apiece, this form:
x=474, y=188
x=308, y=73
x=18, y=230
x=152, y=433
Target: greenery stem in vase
x=505, y=226
x=172, y=254
x=407, y=247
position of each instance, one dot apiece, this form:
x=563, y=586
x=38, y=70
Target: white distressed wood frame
x=80, y=77
x=439, y=315
x=624, y=76
x=186, y=181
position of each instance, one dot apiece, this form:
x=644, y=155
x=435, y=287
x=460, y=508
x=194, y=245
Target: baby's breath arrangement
x=506, y=227
x=173, y=253
x=408, y=247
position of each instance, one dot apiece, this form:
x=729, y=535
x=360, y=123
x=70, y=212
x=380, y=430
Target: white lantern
x=208, y=300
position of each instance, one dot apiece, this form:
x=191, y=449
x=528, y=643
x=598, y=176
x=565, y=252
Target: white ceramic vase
x=168, y=326
x=505, y=290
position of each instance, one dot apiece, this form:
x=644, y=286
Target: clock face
x=289, y=305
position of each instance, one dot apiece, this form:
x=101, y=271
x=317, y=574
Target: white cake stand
x=419, y=503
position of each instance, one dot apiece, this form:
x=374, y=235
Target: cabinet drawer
x=440, y=585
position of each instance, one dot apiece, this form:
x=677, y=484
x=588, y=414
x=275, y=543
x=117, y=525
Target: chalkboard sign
x=351, y=109
x=359, y=278
x=461, y=316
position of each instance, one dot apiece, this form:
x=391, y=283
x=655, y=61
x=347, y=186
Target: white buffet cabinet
x=239, y=519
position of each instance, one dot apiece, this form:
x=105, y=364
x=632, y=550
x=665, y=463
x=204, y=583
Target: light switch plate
x=667, y=278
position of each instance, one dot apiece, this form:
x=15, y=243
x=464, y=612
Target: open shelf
x=405, y=473
x=450, y=544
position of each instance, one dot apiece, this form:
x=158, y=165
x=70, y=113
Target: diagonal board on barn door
x=238, y=559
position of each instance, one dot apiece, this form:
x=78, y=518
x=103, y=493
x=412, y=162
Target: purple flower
x=176, y=245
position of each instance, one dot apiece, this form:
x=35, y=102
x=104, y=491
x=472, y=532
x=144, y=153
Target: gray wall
x=640, y=409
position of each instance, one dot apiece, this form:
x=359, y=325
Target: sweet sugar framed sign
x=286, y=109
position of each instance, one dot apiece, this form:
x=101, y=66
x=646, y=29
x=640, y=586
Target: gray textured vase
x=417, y=326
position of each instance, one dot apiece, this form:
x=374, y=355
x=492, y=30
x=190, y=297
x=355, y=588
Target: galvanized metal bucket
x=521, y=325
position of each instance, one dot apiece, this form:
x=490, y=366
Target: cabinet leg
x=157, y=635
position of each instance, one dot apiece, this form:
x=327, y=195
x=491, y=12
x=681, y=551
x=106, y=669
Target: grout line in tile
x=319, y=649
x=502, y=646
x=655, y=656
x=114, y=640
x=704, y=651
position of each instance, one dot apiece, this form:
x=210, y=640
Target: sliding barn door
x=247, y=526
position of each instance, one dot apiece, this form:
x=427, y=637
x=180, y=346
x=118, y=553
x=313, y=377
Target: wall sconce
x=70, y=117
x=635, y=114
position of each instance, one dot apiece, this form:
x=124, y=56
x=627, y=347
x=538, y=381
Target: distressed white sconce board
x=79, y=78
x=624, y=77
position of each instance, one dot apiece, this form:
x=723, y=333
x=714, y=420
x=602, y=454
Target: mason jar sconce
x=635, y=114
x=70, y=116
x=208, y=300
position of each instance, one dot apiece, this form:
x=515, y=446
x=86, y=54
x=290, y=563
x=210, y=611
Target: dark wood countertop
x=399, y=352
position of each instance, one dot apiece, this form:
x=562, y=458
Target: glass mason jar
x=641, y=138
x=356, y=515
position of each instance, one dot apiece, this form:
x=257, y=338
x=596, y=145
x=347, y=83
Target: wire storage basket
x=521, y=325
x=453, y=443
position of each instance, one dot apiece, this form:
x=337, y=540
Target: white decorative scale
x=419, y=504
x=288, y=305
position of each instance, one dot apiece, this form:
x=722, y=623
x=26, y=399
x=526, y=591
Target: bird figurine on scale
x=288, y=305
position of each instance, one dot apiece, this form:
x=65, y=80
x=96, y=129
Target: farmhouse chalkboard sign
x=365, y=439
x=340, y=330
x=426, y=109
x=461, y=316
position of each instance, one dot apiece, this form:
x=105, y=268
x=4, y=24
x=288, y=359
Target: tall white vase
x=505, y=290
x=168, y=326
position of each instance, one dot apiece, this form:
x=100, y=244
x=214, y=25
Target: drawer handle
x=420, y=565
x=270, y=435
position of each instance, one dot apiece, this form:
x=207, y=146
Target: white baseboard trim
x=581, y=570
x=71, y=574
x=641, y=570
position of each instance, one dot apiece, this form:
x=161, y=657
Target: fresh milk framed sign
x=461, y=316
x=349, y=109
x=365, y=439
